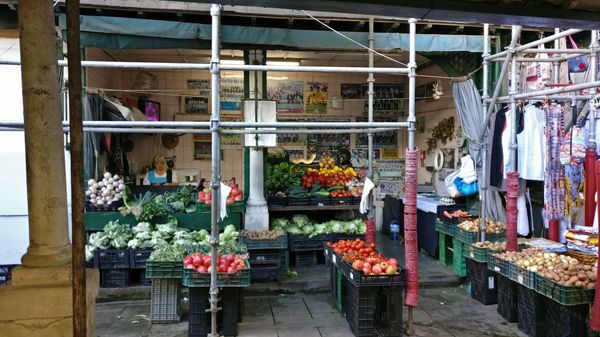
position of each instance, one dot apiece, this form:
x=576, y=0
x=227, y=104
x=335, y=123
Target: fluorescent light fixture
x=283, y=63
x=232, y=76
x=232, y=62
x=277, y=78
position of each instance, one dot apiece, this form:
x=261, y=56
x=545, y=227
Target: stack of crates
x=269, y=259
x=230, y=302
x=137, y=263
x=307, y=251
x=114, y=267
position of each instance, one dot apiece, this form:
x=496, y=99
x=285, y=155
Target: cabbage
x=362, y=228
x=300, y=220
x=142, y=227
x=99, y=240
x=308, y=230
x=167, y=230
x=320, y=229
x=89, y=252
x=335, y=226
x=294, y=230
x=228, y=236
x=280, y=223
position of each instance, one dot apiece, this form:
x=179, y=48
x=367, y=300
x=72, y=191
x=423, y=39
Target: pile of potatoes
x=493, y=227
x=495, y=246
x=263, y=234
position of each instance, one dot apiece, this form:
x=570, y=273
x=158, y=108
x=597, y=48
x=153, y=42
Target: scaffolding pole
x=533, y=44
x=484, y=93
x=221, y=131
x=593, y=72
x=207, y=125
x=370, y=81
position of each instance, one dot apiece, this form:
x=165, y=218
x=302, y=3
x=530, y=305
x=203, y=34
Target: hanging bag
x=577, y=64
x=572, y=150
x=450, y=187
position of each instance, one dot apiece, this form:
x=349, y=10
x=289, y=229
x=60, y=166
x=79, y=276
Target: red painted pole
x=595, y=320
x=512, y=193
x=410, y=228
x=590, y=187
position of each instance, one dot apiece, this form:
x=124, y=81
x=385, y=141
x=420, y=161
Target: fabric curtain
x=467, y=101
x=92, y=111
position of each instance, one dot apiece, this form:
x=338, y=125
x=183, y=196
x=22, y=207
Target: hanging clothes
x=554, y=182
x=507, y=160
x=495, y=148
x=532, y=147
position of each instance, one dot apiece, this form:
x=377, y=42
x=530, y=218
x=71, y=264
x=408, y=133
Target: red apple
x=206, y=260
x=358, y=265
x=391, y=270
x=230, y=258
x=367, y=271
x=231, y=270
x=197, y=261
x=376, y=269
x=383, y=265
x=188, y=260
x=201, y=269
x=372, y=261
x=392, y=262
x=189, y=266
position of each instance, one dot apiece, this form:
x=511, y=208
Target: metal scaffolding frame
x=512, y=59
x=215, y=127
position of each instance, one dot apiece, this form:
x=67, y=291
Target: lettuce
x=300, y=220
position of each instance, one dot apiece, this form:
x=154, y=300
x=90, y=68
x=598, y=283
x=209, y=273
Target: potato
x=591, y=285
x=578, y=284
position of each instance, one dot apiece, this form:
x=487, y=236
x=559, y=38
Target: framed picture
x=194, y=104
x=150, y=109
x=449, y=158
x=421, y=124
x=389, y=152
x=203, y=85
x=203, y=151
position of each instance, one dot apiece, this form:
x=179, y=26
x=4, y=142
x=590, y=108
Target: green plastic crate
x=521, y=275
x=459, y=262
x=475, y=253
x=445, y=249
x=445, y=228
x=164, y=269
x=565, y=295
x=497, y=264
x=241, y=278
x=466, y=237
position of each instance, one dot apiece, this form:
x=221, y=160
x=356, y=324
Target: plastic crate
x=228, y=317
x=164, y=269
x=305, y=258
x=138, y=258
x=445, y=249
x=278, y=243
x=360, y=309
x=266, y=273
x=475, y=253
x=111, y=259
x=320, y=201
x=566, y=295
x=530, y=312
x=459, y=262
x=138, y=277
x=5, y=273
x=466, y=237
x=507, y=298
x=564, y=321
x=268, y=258
x=165, y=301
x=114, y=278
x=113, y=207
x=277, y=202
x=342, y=200
x=521, y=275
x=389, y=314
x=497, y=264
x=359, y=279
x=483, y=282
x=240, y=278
x=333, y=280
x=341, y=236
x=327, y=252
x=299, y=243
x=446, y=229
x=300, y=201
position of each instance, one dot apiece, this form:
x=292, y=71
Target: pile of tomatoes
x=363, y=257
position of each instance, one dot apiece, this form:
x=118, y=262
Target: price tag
x=472, y=255
x=491, y=282
x=352, y=276
x=497, y=269
x=326, y=252
x=520, y=279
x=333, y=258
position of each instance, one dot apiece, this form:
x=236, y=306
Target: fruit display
x=328, y=177
x=363, y=256
x=236, y=195
x=494, y=246
x=493, y=227
x=263, y=235
x=326, y=162
x=201, y=263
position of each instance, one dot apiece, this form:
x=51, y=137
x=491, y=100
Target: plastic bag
x=467, y=170
x=466, y=189
x=450, y=186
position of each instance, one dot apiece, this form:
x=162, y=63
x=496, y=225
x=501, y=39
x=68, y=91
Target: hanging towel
x=522, y=219
x=532, y=145
x=225, y=190
x=363, y=208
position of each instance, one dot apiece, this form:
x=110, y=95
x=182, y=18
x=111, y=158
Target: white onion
x=109, y=187
x=105, y=193
x=109, y=201
x=115, y=199
x=121, y=187
x=93, y=201
x=111, y=180
x=91, y=182
x=115, y=184
x=113, y=192
x=96, y=185
x=104, y=189
x=100, y=202
x=88, y=192
x=107, y=175
x=118, y=195
x=116, y=177
x=121, y=182
x=93, y=196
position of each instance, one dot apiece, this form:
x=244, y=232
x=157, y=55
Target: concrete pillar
x=38, y=300
x=257, y=211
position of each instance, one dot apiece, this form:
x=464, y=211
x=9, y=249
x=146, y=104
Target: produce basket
x=299, y=243
x=583, y=257
x=446, y=229
x=320, y=201
x=497, y=264
x=113, y=207
x=165, y=304
x=566, y=295
x=253, y=244
x=277, y=201
x=240, y=278
x=139, y=257
x=111, y=259
x=466, y=237
x=164, y=269
x=299, y=201
x=342, y=200
x=359, y=279
x=476, y=253
x=521, y=275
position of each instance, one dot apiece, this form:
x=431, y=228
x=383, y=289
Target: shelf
x=312, y=208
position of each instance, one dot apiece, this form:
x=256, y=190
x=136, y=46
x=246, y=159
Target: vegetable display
x=106, y=191
x=493, y=227
x=495, y=246
x=201, y=263
x=301, y=225
x=362, y=256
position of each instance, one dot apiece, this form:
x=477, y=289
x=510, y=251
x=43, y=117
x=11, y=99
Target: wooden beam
x=11, y=33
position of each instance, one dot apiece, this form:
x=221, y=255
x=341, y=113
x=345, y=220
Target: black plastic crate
x=305, y=258
x=521, y=275
x=113, y=207
x=301, y=201
x=483, y=282
x=340, y=236
x=565, y=321
x=278, y=243
x=497, y=264
x=389, y=312
x=111, y=259
x=138, y=258
x=138, y=276
x=358, y=278
x=361, y=304
x=267, y=258
x=5, y=273
x=277, y=202
x=320, y=201
x=199, y=319
x=507, y=298
x=266, y=273
x=530, y=312
x=114, y=278
x=342, y=200
x=333, y=280
x=299, y=243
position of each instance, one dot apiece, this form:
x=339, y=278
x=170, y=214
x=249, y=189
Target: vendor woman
x=160, y=174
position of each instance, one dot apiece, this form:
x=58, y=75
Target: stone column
x=37, y=302
x=257, y=211
x=46, y=185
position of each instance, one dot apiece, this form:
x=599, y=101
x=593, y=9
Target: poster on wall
x=203, y=150
x=352, y=91
x=291, y=139
x=332, y=141
x=380, y=139
x=316, y=98
x=393, y=187
x=203, y=86
x=229, y=140
x=359, y=157
x=449, y=158
x=194, y=105
x=289, y=95
x=232, y=92
x=387, y=99
x=389, y=152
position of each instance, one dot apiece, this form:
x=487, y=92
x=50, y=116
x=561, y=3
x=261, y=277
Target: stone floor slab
x=302, y=332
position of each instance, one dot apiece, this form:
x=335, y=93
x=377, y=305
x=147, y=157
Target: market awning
x=122, y=33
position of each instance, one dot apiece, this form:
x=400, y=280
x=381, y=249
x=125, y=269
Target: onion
x=100, y=202
x=88, y=193
x=121, y=187
x=96, y=185
x=118, y=195
x=115, y=184
x=91, y=182
x=111, y=180
x=105, y=193
x=109, y=187
x=93, y=196
x=116, y=177
x=121, y=182
x=107, y=175
x=109, y=201
x=93, y=201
